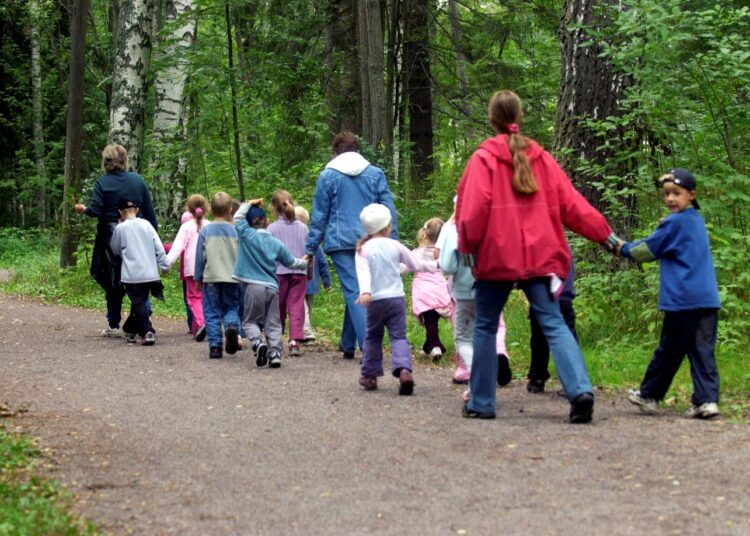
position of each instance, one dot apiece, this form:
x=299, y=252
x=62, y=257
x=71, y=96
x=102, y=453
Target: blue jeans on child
x=353, y=328
x=387, y=313
x=490, y=297
x=221, y=302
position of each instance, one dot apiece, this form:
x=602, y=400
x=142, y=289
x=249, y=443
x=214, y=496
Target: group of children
x=247, y=276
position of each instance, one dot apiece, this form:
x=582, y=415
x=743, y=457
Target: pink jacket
x=429, y=290
x=186, y=240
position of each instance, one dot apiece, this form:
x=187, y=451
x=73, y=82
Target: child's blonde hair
x=283, y=204
x=428, y=234
x=221, y=205
x=197, y=205
x=302, y=215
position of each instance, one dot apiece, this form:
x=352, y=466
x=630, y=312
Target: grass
x=616, y=359
x=29, y=504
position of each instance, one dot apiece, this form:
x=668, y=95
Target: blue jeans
x=490, y=300
x=221, y=303
x=353, y=327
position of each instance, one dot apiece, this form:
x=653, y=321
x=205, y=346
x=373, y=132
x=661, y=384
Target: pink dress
x=429, y=290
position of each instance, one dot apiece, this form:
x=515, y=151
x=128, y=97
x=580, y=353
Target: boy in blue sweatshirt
x=257, y=254
x=689, y=297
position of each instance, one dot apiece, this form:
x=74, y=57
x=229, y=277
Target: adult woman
x=513, y=201
x=117, y=183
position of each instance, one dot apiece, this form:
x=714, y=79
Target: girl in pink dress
x=430, y=297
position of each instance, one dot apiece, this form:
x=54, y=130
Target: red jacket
x=515, y=236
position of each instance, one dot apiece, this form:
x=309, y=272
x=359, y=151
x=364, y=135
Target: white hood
x=350, y=163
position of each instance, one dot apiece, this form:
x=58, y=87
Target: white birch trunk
x=37, y=113
x=132, y=53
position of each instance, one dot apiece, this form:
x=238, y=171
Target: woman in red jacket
x=513, y=201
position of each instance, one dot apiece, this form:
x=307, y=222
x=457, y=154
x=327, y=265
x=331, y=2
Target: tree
x=371, y=71
x=35, y=19
x=74, y=132
x=233, y=86
x=342, y=82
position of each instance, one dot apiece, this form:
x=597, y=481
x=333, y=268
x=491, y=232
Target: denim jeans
x=490, y=300
x=114, y=297
x=221, y=303
x=538, y=343
x=353, y=328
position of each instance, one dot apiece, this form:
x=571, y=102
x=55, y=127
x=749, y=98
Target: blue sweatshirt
x=215, y=253
x=687, y=277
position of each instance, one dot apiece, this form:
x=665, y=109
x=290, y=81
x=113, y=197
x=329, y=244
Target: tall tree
x=74, y=131
x=371, y=71
x=233, y=86
x=342, y=83
x=35, y=20
x=132, y=54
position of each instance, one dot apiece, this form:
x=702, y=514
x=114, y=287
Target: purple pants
x=292, y=303
x=387, y=313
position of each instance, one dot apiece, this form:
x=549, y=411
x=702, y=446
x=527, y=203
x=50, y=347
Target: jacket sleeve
x=414, y=263
x=323, y=269
x=115, y=244
x=161, y=256
x=364, y=277
x=321, y=212
x=449, y=253
x=147, y=207
x=96, y=204
x=178, y=246
x=200, y=257
x=384, y=197
x=474, y=204
x=656, y=246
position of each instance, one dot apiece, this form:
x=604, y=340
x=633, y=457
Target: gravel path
x=163, y=440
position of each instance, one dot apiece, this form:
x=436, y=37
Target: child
x=320, y=271
x=430, y=296
x=136, y=241
x=257, y=255
x=184, y=246
x=381, y=289
x=292, y=282
x=689, y=297
x=215, y=256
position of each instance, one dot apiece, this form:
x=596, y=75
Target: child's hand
x=255, y=202
x=364, y=299
x=199, y=286
x=79, y=208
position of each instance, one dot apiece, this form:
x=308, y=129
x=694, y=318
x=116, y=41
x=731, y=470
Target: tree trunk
x=371, y=72
x=418, y=91
x=37, y=113
x=132, y=52
x=342, y=84
x=457, y=39
x=169, y=102
x=74, y=132
x=233, y=85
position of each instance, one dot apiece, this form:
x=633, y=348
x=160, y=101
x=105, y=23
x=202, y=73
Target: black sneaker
x=348, y=355
x=200, y=335
x=233, y=340
x=471, y=414
x=215, y=352
x=504, y=375
x=149, y=339
x=535, y=386
x=582, y=408
x=274, y=361
x=261, y=353
x=131, y=338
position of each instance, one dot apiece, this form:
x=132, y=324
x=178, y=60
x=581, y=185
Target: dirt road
x=163, y=440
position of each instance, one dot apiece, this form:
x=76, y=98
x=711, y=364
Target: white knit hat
x=375, y=217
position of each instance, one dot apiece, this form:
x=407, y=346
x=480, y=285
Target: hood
x=350, y=163
x=498, y=147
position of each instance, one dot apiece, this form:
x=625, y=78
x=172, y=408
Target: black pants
x=430, y=320
x=539, y=347
x=139, y=320
x=691, y=333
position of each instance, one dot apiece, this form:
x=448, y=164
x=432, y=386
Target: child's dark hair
x=197, y=205
x=428, y=234
x=283, y=204
x=505, y=110
x=221, y=205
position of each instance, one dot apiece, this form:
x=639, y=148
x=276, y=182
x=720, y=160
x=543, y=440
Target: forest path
x=163, y=440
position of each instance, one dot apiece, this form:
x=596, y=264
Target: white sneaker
x=646, y=405
x=436, y=353
x=111, y=332
x=707, y=410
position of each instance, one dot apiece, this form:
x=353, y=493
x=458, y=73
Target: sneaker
x=405, y=382
x=707, y=410
x=471, y=414
x=370, y=384
x=261, y=353
x=535, y=386
x=582, y=408
x=504, y=374
x=200, y=335
x=111, y=332
x=646, y=405
x=348, y=355
x=274, y=361
x=215, y=352
x=294, y=350
x=130, y=338
x=233, y=342
x=149, y=339
x=460, y=382
x=436, y=354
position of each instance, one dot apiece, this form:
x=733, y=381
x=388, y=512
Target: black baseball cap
x=683, y=178
x=127, y=203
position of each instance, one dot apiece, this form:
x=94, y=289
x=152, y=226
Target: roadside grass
x=29, y=504
x=615, y=361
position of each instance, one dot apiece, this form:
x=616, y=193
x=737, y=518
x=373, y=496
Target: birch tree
x=35, y=20
x=132, y=53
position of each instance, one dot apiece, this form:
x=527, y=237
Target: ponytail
x=283, y=205
x=197, y=205
x=523, y=178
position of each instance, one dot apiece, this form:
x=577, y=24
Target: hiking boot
x=535, y=386
x=436, y=354
x=504, y=374
x=370, y=384
x=149, y=339
x=348, y=355
x=471, y=414
x=130, y=338
x=294, y=350
x=274, y=360
x=200, y=335
x=261, y=353
x=646, y=405
x=232, y=343
x=111, y=332
x=707, y=410
x=582, y=408
x=215, y=352
x=405, y=382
